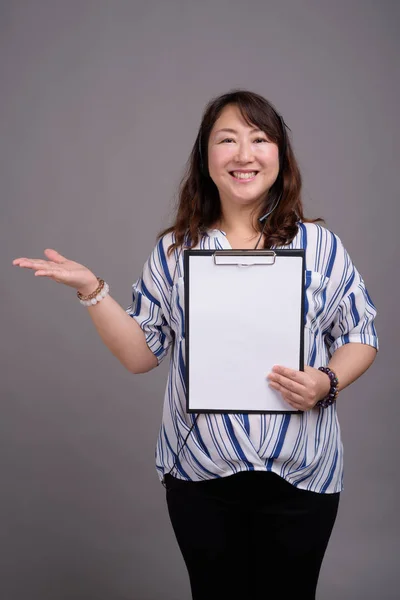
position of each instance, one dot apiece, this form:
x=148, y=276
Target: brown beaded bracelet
x=93, y=294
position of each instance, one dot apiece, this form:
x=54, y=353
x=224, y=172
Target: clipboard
x=243, y=315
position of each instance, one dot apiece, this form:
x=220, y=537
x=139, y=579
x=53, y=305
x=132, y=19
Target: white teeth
x=239, y=175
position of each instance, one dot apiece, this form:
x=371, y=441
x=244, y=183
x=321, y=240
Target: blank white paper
x=242, y=321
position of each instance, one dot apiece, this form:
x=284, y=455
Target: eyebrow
x=234, y=130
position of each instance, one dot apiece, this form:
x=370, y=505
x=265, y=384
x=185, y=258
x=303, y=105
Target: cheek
x=269, y=157
x=218, y=157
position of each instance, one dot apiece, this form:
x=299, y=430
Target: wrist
x=89, y=287
x=96, y=296
x=331, y=396
x=325, y=385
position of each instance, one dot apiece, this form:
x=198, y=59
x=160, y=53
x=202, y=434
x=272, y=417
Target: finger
x=298, y=403
x=33, y=263
x=286, y=383
x=24, y=263
x=299, y=377
x=32, y=260
x=287, y=372
x=54, y=255
x=293, y=403
x=291, y=397
x=42, y=273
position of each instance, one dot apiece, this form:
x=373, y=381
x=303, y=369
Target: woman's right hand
x=62, y=270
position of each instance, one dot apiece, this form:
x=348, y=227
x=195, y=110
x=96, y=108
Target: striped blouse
x=306, y=448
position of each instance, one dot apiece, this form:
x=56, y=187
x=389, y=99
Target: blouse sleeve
x=150, y=301
x=353, y=312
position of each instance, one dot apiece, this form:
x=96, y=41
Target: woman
x=252, y=498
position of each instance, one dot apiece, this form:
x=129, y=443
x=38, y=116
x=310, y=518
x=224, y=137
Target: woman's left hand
x=301, y=389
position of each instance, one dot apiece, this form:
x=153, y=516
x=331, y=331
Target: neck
x=240, y=223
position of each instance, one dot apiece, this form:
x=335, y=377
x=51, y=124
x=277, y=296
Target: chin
x=244, y=201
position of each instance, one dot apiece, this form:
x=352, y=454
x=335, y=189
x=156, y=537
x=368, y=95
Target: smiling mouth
x=239, y=176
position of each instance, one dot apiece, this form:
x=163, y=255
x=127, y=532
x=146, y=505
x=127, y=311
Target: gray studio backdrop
x=100, y=105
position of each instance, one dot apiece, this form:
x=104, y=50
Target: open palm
x=60, y=269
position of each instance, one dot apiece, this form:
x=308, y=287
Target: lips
x=243, y=175
x=245, y=171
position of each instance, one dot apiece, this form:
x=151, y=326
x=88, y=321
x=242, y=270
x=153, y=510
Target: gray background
x=100, y=105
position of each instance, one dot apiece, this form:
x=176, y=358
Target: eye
x=261, y=140
x=227, y=140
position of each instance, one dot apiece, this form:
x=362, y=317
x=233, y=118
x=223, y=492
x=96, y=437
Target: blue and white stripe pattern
x=305, y=449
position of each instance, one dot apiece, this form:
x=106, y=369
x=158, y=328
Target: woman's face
x=243, y=162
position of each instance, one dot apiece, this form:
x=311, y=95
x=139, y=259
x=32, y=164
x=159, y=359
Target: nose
x=244, y=152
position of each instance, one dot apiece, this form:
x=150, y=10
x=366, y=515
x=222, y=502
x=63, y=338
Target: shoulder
x=324, y=248
x=162, y=262
x=163, y=243
x=315, y=234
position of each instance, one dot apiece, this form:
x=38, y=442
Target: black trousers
x=250, y=536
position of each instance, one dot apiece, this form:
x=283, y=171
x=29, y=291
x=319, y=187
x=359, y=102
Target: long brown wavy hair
x=199, y=206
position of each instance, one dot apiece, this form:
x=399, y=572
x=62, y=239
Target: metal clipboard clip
x=248, y=258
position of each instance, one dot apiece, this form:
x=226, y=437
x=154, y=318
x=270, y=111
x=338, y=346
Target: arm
x=348, y=331
x=139, y=336
x=303, y=389
x=121, y=334
x=350, y=361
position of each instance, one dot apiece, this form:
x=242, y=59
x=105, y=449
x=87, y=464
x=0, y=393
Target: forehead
x=231, y=117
